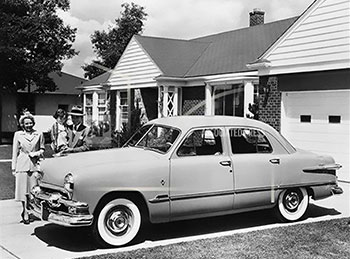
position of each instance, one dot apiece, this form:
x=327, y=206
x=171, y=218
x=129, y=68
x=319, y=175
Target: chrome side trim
x=165, y=198
x=160, y=198
x=322, y=168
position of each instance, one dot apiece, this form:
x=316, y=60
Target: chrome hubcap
x=291, y=201
x=119, y=220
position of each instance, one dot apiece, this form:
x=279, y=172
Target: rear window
x=249, y=141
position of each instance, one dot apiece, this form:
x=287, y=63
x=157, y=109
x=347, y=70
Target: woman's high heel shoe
x=25, y=218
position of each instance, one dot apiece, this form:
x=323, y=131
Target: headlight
x=68, y=183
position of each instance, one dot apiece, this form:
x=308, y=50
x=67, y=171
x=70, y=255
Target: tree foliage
x=110, y=45
x=33, y=41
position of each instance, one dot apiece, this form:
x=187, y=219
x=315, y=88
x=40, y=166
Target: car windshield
x=155, y=137
x=137, y=136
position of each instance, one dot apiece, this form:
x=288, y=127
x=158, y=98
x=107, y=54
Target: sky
x=179, y=19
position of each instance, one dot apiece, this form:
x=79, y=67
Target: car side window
x=202, y=142
x=249, y=141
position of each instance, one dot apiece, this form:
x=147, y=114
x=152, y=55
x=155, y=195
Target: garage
x=319, y=121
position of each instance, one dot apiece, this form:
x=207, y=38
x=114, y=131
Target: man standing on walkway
x=78, y=133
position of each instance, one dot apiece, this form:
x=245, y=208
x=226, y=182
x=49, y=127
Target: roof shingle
x=221, y=53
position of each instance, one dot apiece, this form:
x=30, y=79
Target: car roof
x=187, y=122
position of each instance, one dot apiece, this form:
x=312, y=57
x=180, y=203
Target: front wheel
x=117, y=223
x=292, y=204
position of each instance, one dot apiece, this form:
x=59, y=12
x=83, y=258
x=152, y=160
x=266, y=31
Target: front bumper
x=53, y=207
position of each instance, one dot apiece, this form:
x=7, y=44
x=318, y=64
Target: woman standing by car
x=28, y=147
x=58, y=132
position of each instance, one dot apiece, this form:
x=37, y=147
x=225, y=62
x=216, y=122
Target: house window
x=102, y=106
x=88, y=108
x=229, y=100
x=305, y=118
x=124, y=107
x=334, y=119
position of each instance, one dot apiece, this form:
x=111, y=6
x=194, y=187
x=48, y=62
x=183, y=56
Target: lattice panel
x=170, y=105
x=189, y=104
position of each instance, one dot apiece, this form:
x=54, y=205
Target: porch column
x=165, y=101
x=208, y=100
x=113, y=110
x=176, y=101
x=248, y=96
x=94, y=106
x=131, y=100
x=118, y=124
x=160, y=101
x=84, y=105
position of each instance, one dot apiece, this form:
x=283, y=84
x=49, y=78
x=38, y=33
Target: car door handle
x=275, y=161
x=225, y=163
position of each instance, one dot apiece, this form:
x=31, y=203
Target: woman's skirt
x=24, y=183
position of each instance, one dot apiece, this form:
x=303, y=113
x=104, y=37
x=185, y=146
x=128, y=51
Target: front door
x=201, y=180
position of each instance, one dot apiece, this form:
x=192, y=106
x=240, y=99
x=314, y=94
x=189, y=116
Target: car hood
x=54, y=169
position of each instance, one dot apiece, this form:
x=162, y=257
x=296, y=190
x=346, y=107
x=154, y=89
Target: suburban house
x=292, y=74
x=42, y=105
x=205, y=76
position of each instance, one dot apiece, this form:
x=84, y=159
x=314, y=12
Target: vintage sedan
x=182, y=168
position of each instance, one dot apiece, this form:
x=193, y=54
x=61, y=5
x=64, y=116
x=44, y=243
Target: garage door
x=319, y=121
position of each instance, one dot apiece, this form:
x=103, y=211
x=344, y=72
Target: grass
x=326, y=239
x=7, y=180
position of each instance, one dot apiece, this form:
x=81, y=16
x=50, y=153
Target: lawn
x=326, y=239
x=7, y=180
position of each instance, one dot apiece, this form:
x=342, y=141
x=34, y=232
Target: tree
x=110, y=45
x=33, y=41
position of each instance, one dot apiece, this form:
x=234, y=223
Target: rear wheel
x=117, y=223
x=292, y=204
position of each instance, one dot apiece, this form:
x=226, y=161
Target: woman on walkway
x=28, y=147
x=58, y=132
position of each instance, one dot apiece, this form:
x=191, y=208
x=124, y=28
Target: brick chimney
x=256, y=17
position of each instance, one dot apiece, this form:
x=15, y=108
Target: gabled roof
x=98, y=80
x=66, y=83
x=173, y=57
x=231, y=51
x=221, y=53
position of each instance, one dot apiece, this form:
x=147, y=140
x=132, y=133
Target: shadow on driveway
x=81, y=240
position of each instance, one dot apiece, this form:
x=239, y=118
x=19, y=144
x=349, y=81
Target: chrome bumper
x=337, y=190
x=52, y=207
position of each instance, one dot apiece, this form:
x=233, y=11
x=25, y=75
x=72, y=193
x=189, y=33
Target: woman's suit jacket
x=23, y=144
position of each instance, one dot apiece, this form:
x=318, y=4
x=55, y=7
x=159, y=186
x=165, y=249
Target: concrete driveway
x=45, y=240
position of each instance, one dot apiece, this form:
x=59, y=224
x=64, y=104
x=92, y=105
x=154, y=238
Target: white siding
x=321, y=35
x=319, y=135
x=134, y=70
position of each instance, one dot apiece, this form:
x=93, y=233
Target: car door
x=201, y=181
x=253, y=166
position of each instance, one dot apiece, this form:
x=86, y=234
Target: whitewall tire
x=292, y=204
x=118, y=222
